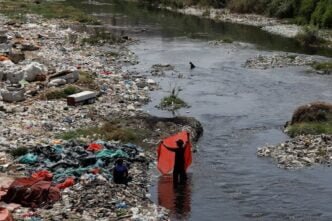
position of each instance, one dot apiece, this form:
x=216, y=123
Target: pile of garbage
x=302, y=151
x=277, y=61
x=42, y=56
x=84, y=173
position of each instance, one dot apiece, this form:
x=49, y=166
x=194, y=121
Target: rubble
x=278, y=61
x=301, y=151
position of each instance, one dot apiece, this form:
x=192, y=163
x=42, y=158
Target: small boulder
x=15, y=77
x=12, y=94
x=34, y=69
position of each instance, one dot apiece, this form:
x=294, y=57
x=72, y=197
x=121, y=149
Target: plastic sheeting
x=166, y=158
x=28, y=158
x=5, y=215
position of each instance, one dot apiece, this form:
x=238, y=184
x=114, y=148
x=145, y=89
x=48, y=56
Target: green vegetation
x=172, y=102
x=108, y=131
x=87, y=80
x=17, y=152
x=53, y=94
x=315, y=118
x=309, y=36
x=227, y=40
x=324, y=66
x=102, y=36
x=310, y=128
x=49, y=9
x=303, y=12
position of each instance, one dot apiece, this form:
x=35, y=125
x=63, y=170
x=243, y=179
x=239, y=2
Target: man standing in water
x=179, y=171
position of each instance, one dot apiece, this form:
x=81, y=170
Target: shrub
x=309, y=36
x=313, y=112
x=314, y=118
x=172, y=102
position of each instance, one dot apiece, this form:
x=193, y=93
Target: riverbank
x=310, y=129
x=43, y=61
x=272, y=25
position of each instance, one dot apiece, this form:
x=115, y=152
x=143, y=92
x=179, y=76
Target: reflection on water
x=175, y=198
x=137, y=19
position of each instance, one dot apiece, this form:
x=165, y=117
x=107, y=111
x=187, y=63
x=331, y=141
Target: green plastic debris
x=28, y=158
x=112, y=154
x=59, y=175
x=58, y=149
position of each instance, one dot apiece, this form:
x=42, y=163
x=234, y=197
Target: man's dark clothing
x=120, y=174
x=179, y=171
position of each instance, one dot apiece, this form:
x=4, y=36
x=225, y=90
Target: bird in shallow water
x=192, y=66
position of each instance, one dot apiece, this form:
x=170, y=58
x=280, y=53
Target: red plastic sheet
x=94, y=147
x=67, y=183
x=166, y=158
x=43, y=175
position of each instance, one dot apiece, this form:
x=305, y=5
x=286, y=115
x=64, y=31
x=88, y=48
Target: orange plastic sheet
x=166, y=158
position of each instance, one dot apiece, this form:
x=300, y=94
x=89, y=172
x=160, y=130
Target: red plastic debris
x=106, y=72
x=96, y=171
x=94, y=147
x=67, y=183
x=43, y=175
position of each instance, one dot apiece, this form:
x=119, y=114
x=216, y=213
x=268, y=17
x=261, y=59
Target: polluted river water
x=241, y=109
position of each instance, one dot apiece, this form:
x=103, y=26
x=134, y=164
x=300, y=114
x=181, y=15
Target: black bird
x=192, y=66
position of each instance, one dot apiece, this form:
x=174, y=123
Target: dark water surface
x=241, y=109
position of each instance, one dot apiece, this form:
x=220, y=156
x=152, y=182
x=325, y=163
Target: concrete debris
x=32, y=70
x=11, y=94
x=57, y=82
x=278, y=61
x=305, y=150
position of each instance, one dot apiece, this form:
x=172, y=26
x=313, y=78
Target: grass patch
x=54, y=94
x=314, y=118
x=172, y=102
x=113, y=130
x=102, y=36
x=48, y=9
x=323, y=66
x=313, y=128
